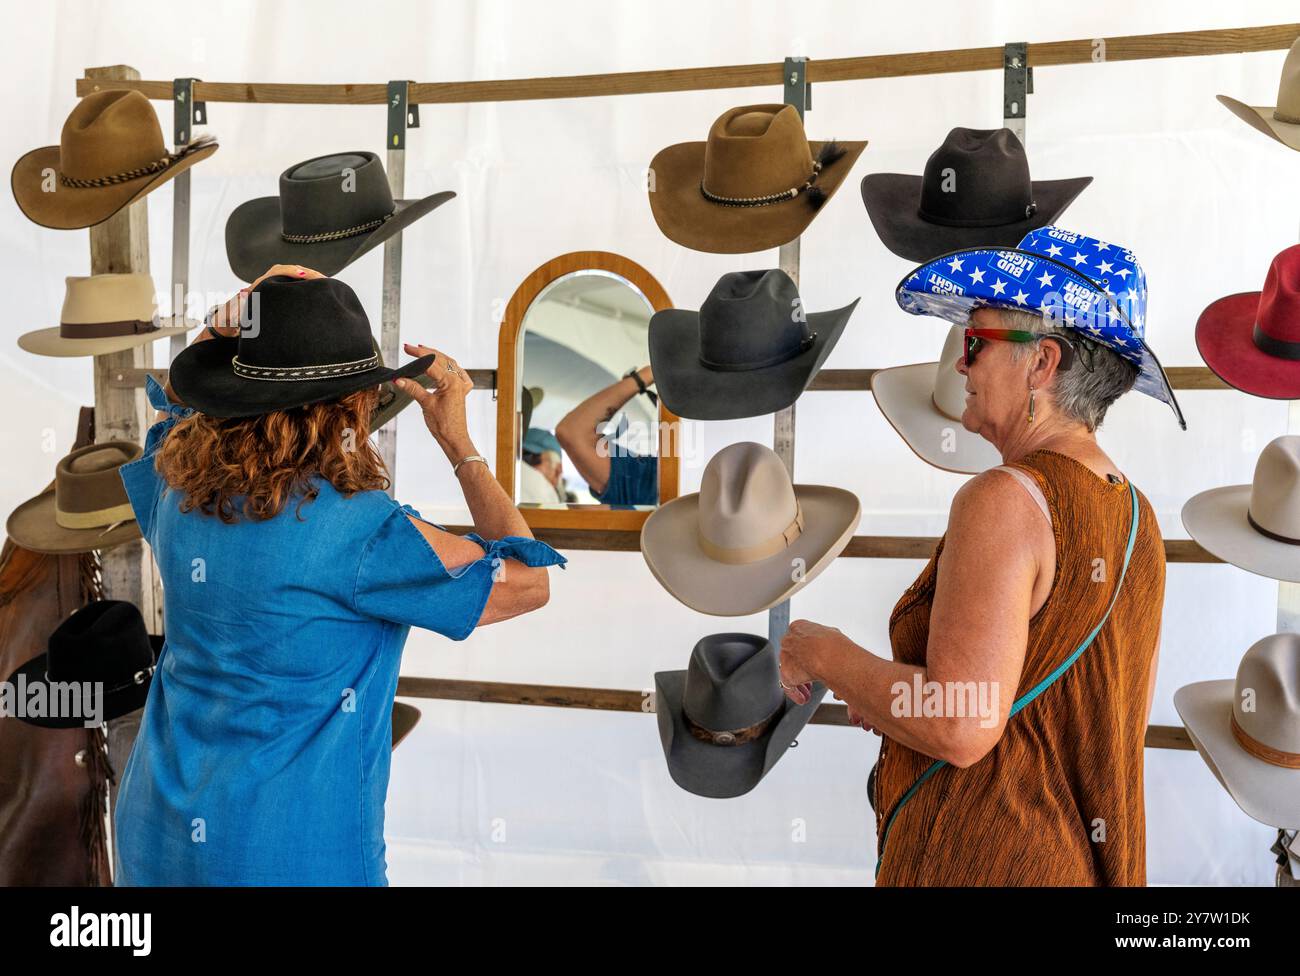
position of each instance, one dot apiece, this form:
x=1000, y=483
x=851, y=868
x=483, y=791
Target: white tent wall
x=497, y=793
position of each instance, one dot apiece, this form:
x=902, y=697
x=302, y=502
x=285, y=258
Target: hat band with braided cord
x=149, y=169
x=828, y=154
x=336, y=235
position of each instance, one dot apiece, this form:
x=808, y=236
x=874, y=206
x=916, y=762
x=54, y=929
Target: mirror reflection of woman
x=615, y=474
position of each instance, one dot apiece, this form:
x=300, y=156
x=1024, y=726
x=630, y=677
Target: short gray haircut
x=1077, y=392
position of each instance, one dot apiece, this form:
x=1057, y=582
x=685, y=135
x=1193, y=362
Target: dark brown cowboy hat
x=111, y=154
x=756, y=183
x=331, y=210
x=86, y=509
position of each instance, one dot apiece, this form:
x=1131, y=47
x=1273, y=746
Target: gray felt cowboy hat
x=724, y=722
x=1248, y=730
x=1256, y=526
x=86, y=509
x=749, y=538
x=750, y=350
x=331, y=210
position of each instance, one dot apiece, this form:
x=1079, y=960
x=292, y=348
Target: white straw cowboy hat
x=102, y=314
x=1255, y=526
x=749, y=538
x=1248, y=731
x=924, y=403
x=1280, y=121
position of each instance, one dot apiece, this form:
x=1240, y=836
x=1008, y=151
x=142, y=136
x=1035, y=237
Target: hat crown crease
x=109, y=133
x=746, y=500
x=757, y=163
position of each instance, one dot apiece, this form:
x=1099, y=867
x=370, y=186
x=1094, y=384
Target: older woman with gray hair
x=1014, y=706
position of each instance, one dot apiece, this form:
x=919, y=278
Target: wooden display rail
x=623, y=700
x=1135, y=47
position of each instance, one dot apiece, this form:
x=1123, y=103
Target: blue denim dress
x=263, y=753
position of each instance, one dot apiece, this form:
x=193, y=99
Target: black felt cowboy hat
x=331, y=210
x=104, y=646
x=724, y=722
x=302, y=342
x=975, y=191
x=750, y=350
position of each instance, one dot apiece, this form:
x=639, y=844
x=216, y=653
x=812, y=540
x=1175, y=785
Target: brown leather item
x=51, y=822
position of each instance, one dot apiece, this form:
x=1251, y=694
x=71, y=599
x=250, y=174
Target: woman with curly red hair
x=291, y=580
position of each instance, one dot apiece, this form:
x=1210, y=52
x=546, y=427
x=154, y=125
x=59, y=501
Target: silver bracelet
x=473, y=457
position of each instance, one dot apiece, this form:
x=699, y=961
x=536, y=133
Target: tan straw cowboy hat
x=1280, y=121
x=86, y=509
x=102, y=314
x=757, y=182
x=924, y=403
x=1255, y=526
x=111, y=154
x=1248, y=731
x=749, y=538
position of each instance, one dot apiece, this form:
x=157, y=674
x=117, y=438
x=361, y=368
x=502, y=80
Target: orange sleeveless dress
x=1059, y=800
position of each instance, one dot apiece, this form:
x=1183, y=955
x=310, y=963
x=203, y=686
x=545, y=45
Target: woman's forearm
x=883, y=693
x=493, y=513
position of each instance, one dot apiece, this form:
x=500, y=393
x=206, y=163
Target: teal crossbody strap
x=1039, y=688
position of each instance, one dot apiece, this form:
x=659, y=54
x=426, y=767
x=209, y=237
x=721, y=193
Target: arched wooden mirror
x=579, y=443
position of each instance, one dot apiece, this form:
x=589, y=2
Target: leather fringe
x=94, y=832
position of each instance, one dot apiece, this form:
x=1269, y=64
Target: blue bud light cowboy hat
x=1073, y=280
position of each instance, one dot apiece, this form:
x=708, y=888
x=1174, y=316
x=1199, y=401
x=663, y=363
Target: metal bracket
x=1017, y=85
x=402, y=115
x=186, y=113
x=797, y=90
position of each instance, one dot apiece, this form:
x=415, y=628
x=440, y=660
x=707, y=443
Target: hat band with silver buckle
x=805, y=344
x=106, y=330
x=766, y=199
x=1271, y=535
x=336, y=235
x=291, y=374
x=1262, y=751
x=149, y=169
x=736, y=737
x=139, y=678
x=998, y=221
x=1272, y=346
x=760, y=550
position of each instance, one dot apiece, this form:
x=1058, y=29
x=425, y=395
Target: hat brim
x=404, y=719
x=201, y=376
x=905, y=395
x=1267, y=793
x=393, y=401
x=32, y=525
x=49, y=342
x=958, y=308
x=115, y=704
x=670, y=546
x=75, y=207
x=1261, y=118
x=696, y=392
x=892, y=201
x=1216, y=520
x=1224, y=338
x=722, y=772
x=253, y=241
x=686, y=217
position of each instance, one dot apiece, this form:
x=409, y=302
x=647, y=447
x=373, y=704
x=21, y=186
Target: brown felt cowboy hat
x=111, y=154
x=757, y=182
x=1280, y=121
x=86, y=509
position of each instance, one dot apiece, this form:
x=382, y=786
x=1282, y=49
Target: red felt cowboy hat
x=1252, y=340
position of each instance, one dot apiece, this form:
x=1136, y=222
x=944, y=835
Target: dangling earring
x=1031, y=404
